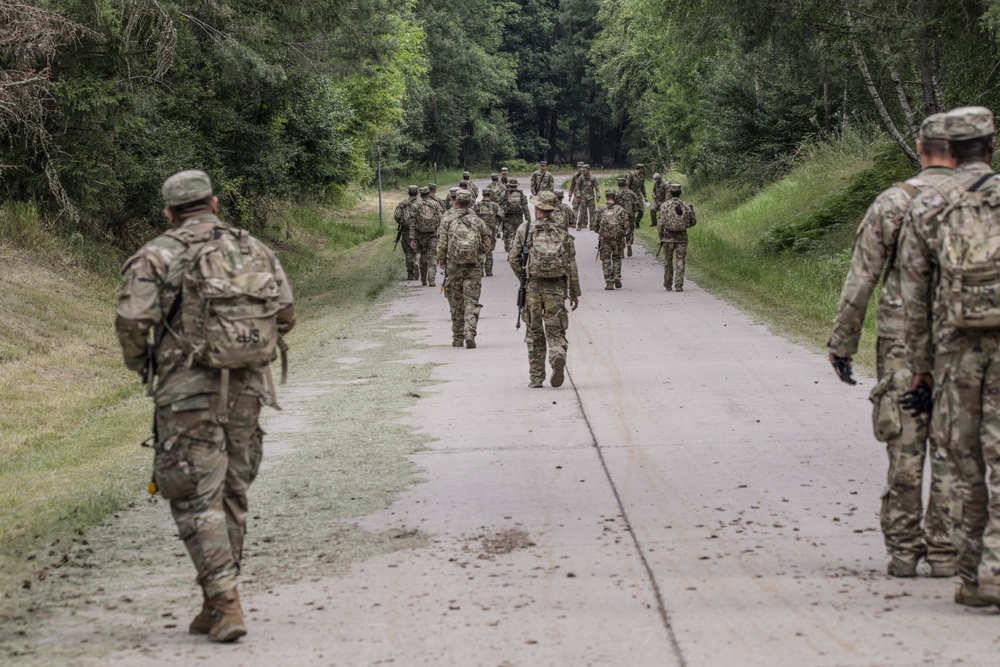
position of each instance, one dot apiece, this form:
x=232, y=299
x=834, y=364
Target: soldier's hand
x=574, y=302
x=413, y=245
x=842, y=367
x=920, y=399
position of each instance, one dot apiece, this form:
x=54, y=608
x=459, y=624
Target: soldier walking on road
x=564, y=213
x=574, y=201
x=496, y=188
x=504, y=178
x=661, y=189
x=612, y=224
x=209, y=387
x=404, y=215
x=467, y=177
x=629, y=201
x=542, y=179
x=432, y=187
x=586, y=193
x=676, y=217
x=905, y=436
x=490, y=213
x=552, y=276
x=515, y=209
x=462, y=247
x=949, y=251
x=423, y=237
x=636, y=182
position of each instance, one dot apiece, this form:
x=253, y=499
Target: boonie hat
x=545, y=200
x=463, y=196
x=933, y=127
x=185, y=187
x=966, y=123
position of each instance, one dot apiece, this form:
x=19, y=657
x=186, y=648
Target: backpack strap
x=978, y=184
x=907, y=188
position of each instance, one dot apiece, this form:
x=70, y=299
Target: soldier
x=462, y=247
x=565, y=213
x=423, y=236
x=504, y=178
x=676, y=218
x=904, y=435
x=404, y=215
x=208, y=444
x=636, y=182
x=496, y=187
x=433, y=195
x=948, y=254
x=515, y=210
x=611, y=224
x=467, y=177
x=574, y=201
x=552, y=276
x=490, y=213
x=629, y=201
x=451, y=199
x=542, y=179
x=587, y=192
x=661, y=189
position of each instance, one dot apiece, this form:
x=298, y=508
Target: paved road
x=701, y=492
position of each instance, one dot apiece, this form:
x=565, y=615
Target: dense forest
x=100, y=99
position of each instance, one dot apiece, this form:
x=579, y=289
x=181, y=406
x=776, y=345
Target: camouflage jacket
x=524, y=213
x=637, y=184
x=404, y=214
x=875, y=246
x=667, y=236
x=566, y=286
x=926, y=330
x=572, y=182
x=440, y=202
x=628, y=200
x=661, y=192
x=587, y=188
x=613, y=221
x=414, y=234
x=490, y=212
x=151, y=285
x=474, y=190
x=565, y=215
x=542, y=180
x=444, y=236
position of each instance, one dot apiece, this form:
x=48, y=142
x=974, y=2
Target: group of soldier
x=934, y=240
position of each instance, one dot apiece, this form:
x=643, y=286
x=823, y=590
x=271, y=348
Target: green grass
x=73, y=417
x=822, y=199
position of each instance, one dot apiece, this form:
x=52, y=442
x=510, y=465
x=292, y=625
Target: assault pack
x=677, y=216
x=547, y=255
x=463, y=241
x=427, y=217
x=514, y=203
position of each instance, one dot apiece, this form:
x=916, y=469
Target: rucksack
x=970, y=257
x=427, y=217
x=675, y=215
x=403, y=213
x=514, y=203
x=613, y=231
x=547, y=255
x=463, y=241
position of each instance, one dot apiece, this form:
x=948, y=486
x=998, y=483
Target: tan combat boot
x=202, y=623
x=227, y=617
x=968, y=594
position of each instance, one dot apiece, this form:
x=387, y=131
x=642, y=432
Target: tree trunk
x=827, y=121
x=904, y=102
x=553, y=133
x=928, y=85
x=873, y=91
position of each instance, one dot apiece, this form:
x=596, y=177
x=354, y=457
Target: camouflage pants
x=410, y=256
x=462, y=289
x=510, y=225
x=546, y=319
x=204, y=469
x=966, y=423
x=674, y=271
x=905, y=438
x=585, y=214
x=427, y=257
x=637, y=216
x=654, y=214
x=611, y=259
x=488, y=262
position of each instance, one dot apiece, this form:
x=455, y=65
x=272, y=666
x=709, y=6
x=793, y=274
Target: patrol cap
x=464, y=184
x=486, y=192
x=586, y=166
x=512, y=181
x=413, y=189
x=545, y=200
x=656, y=176
x=560, y=193
x=466, y=175
x=675, y=187
x=966, y=123
x=579, y=164
x=503, y=170
x=452, y=191
x=495, y=177
x=425, y=191
x=933, y=127
x=640, y=166
x=463, y=196
x=611, y=194
x=543, y=163
x=185, y=187
x=432, y=186
x=621, y=180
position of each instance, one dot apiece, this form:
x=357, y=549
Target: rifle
x=444, y=279
x=597, y=257
x=522, y=291
x=399, y=235
x=659, y=249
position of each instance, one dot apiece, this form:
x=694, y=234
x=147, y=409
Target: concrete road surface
x=700, y=492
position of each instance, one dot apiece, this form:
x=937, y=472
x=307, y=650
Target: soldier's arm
x=867, y=261
x=514, y=256
x=694, y=218
x=485, y=237
x=138, y=310
x=442, y=245
x=286, y=316
x=916, y=264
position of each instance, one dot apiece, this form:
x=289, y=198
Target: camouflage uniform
x=565, y=215
x=661, y=190
x=629, y=201
x=426, y=250
x=586, y=192
x=542, y=180
x=545, y=316
x=464, y=283
x=636, y=182
x=404, y=215
x=612, y=224
x=512, y=219
x=674, y=243
x=574, y=201
x=966, y=368
x=206, y=455
x=471, y=186
x=904, y=435
x=490, y=213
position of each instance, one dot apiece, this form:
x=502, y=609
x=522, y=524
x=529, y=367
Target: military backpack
x=514, y=201
x=403, y=215
x=970, y=257
x=677, y=217
x=427, y=217
x=463, y=241
x=547, y=254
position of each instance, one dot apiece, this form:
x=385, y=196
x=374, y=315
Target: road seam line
x=660, y=606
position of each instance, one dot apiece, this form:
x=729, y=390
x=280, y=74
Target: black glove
x=842, y=366
x=918, y=401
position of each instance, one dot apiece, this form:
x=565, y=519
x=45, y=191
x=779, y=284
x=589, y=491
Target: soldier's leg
x=534, y=336
x=989, y=564
x=616, y=254
x=555, y=319
x=431, y=254
x=411, y=265
x=607, y=263
x=472, y=287
x=682, y=251
x=189, y=467
x=244, y=450
x=638, y=215
x=591, y=212
x=453, y=292
x=904, y=437
x=668, y=265
x=488, y=263
x=576, y=212
x=653, y=217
